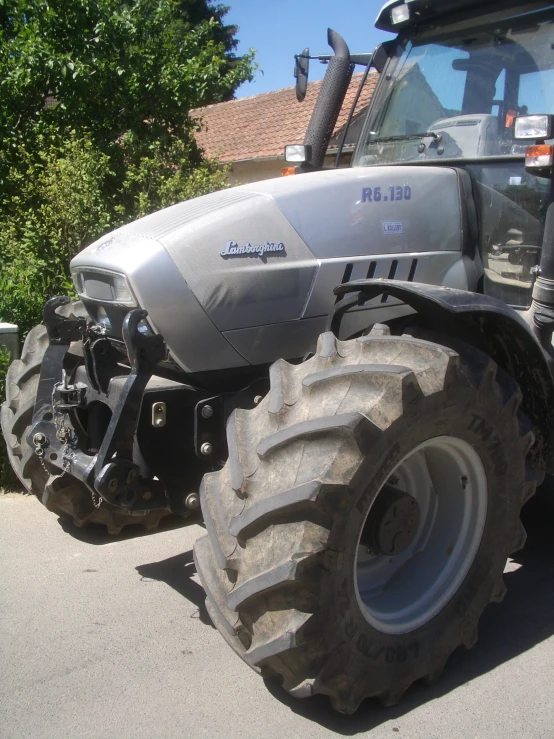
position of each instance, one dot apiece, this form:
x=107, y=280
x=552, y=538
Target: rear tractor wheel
x=363, y=520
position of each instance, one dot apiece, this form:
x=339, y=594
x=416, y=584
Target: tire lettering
x=479, y=425
x=343, y=601
x=492, y=441
x=498, y=458
x=377, y=654
x=349, y=628
x=326, y=560
x=390, y=655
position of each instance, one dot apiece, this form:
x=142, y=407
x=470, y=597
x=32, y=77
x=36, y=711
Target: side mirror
x=301, y=69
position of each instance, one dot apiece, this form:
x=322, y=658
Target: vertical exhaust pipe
x=330, y=99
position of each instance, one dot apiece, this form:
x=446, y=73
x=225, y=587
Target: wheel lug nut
x=192, y=501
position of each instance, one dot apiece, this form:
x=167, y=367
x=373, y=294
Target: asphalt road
x=109, y=638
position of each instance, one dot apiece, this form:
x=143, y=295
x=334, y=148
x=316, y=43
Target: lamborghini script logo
x=251, y=250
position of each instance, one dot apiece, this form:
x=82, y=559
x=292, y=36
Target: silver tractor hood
x=219, y=273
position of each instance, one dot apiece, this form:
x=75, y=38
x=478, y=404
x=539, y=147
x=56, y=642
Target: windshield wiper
x=407, y=137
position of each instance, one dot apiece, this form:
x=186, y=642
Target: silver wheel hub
x=421, y=535
x=393, y=523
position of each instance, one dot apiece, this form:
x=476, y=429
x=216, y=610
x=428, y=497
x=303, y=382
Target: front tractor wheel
x=363, y=520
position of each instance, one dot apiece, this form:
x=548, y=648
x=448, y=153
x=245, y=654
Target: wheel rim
x=399, y=593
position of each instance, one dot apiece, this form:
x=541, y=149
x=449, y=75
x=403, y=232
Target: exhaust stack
x=330, y=99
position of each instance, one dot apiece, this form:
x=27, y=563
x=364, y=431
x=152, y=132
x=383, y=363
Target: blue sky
x=278, y=29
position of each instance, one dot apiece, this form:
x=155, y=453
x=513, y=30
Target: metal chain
x=66, y=435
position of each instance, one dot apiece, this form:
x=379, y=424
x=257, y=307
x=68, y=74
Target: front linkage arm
x=110, y=474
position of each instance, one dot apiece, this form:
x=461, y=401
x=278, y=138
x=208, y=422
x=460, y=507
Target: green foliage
x=114, y=67
x=154, y=180
x=60, y=206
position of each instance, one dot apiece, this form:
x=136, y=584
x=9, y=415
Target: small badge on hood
x=252, y=250
x=392, y=227
x=103, y=244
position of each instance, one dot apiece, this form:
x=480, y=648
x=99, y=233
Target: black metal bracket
x=209, y=429
x=101, y=360
x=62, y=330
x=116, y=478
x=47, y=440
x=210, y=419
x=111, y=472
x=66, y=397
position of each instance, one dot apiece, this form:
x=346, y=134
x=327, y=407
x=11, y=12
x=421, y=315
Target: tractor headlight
x=298, y=153
x=400, y=14
x=103, y=286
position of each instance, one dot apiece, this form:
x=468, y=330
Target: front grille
x=103, y=287
x=97, y=286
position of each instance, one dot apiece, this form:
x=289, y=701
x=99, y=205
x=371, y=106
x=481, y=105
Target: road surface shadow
x=98, y=534
x=524, y=619
x=177, y=572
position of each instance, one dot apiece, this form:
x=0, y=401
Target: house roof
x=258, y=127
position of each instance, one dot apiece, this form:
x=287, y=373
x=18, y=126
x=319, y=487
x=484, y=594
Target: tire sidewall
x=477, y=419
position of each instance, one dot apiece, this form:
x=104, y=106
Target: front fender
x=485, y=323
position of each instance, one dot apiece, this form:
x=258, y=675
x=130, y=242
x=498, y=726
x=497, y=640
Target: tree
x=95, y=127
x=116, y=67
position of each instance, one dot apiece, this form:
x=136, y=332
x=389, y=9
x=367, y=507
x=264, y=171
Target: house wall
x=255, y=170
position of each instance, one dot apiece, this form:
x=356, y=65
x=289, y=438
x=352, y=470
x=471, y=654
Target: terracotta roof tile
x=259, y=126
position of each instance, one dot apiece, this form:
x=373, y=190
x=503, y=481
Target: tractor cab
x=473, y=90
x=465, y=86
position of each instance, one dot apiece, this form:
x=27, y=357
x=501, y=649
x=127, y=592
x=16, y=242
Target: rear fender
x=480, y=321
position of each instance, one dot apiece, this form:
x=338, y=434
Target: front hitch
x=58, y=438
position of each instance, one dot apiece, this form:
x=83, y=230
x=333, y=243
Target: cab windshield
x=457, y=97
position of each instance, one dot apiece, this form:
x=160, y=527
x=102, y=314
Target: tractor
x=350, y=370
